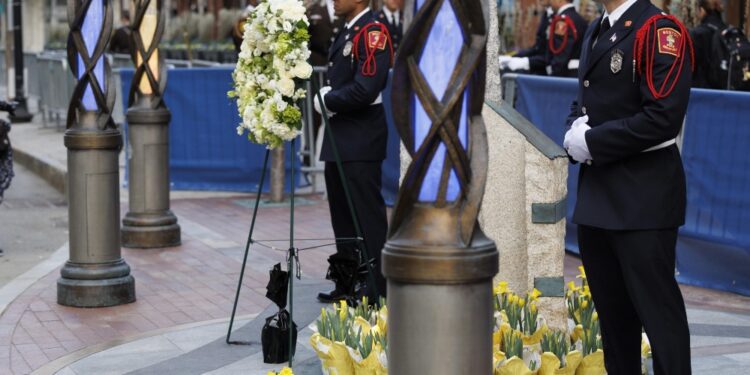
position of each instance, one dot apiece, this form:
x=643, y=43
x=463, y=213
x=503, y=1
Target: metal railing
x=312, y=133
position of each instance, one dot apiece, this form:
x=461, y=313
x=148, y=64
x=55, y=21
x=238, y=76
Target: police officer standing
x=566, y=38
x=534, y=59
x=324, y=25
x=634, y=86
x=392, y=15
x=359, y=60
x=705, y=35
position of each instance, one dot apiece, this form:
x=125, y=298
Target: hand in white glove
x=575, y=140
x=316, y=101
x=504, y=60
x=518, y=63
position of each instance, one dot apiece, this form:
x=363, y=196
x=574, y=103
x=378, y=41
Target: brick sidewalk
x=191, y=283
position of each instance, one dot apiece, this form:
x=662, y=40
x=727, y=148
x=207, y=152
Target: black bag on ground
x=730, y=61
x=275, y=338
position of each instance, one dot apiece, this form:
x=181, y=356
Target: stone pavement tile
x=720, y=365
x=33, y=355
x=17, y=363
x=4, y=351
x=131, y=356
x=696, y=315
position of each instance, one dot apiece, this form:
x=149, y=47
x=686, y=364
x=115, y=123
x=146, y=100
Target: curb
x=46, y=169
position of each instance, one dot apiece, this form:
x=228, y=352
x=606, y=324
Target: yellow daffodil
x=586, y=291
x=286, y=371
x=535, y=294
x=582, y=274
x=521, y=302
x=595, y=316
x=532, y=308
x=584, y=304
x=503, y=287
x=343, y=311
x=572, y=286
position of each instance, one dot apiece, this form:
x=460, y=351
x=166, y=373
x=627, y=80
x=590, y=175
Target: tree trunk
x=277, y=175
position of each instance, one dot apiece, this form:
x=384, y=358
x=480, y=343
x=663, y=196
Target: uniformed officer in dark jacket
x=392, y=15
x=534, y=59
x=566, y=31
x=709, y=12
x=358, y=66
x=631, y=188
x=324, y=25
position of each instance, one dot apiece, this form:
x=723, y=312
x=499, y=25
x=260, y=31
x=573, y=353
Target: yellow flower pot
x=513, y=366
x=334, y=357
x=368, y=366
x=592, y=364
x=551, y=364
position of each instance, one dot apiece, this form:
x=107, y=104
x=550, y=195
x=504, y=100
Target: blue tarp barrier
x=205, y=151
x=713, y=249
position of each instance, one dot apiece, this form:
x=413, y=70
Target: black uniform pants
x=631, y=276
x=364, y=180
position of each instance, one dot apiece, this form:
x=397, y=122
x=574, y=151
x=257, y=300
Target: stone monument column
x=438, y=262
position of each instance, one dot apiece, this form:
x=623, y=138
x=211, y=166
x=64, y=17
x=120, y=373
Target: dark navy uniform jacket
x=397, y=32
x=625, y=188
x=537, y=53
x=570, y=49
x=359, y=124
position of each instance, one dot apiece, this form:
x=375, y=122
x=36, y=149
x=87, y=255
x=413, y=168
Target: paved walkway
x=178, y=323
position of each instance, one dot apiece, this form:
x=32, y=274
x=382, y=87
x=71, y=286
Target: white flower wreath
x=272, y=60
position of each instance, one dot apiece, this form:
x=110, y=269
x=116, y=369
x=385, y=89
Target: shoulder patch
x=376, y=39
x=669, y=41
x=561, y=28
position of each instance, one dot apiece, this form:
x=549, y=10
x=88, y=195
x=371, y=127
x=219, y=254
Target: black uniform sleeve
x=660, y=118
x=364, y=88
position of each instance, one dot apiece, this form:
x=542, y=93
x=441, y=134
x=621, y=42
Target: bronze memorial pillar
x=438, y=262
x=149, y=223
x=95, y=274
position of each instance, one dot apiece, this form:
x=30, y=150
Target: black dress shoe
x=334, y=296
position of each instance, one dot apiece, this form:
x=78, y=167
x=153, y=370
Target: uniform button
x=330, y=63
x=332, y=39
x=583, y=109
x=336, y=29
x=586, y=83
x=328, y=82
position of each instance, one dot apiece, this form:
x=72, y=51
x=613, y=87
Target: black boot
x=343, y=272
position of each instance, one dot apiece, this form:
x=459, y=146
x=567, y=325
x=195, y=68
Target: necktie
x=605, y=26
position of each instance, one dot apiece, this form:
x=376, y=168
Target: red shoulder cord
x=570, y=26
x=644, y=50
x=370, y=66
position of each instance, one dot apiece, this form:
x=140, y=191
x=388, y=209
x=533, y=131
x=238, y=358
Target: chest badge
x=615, y=62
x=613, y=38
x=348, y=48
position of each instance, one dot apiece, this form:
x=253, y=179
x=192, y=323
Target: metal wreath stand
x=292, y=251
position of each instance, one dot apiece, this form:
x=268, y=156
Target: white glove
x=316, y=101
x=575, y=140
x=504, y=60
x=518, y=63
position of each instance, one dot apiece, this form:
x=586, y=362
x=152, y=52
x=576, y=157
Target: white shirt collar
x=331, y=12
x=565, y=7
x=617, y=13
x=549, y=11
x=392, y=16
x=355, y=19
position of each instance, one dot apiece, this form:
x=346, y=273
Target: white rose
x=303, y=70
x=286, y=87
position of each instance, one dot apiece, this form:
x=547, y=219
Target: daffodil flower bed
x=352, y=340
x=284, y=371
x=355, y=340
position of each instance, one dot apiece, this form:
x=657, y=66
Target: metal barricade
x=312, y=133
x=508, y=84
x=55, y=84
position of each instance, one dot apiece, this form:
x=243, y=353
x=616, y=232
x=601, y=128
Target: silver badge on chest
x=615, y=63
x=348, y=48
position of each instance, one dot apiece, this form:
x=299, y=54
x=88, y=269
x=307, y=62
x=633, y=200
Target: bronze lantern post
x=95, y=274
x=438, y=263
x=149, y=222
